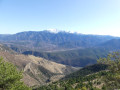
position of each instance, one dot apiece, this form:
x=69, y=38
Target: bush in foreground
x=10, y=77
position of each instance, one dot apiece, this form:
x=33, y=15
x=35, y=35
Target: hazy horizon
x=101, y=17
x=57, y=32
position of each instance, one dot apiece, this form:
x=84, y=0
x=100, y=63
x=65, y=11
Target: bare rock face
x=36, y=71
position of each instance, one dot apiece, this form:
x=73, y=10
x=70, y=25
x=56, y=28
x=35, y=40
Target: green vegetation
x=113, y=45
x=76, y=58
x=83, y=79
x=10, y=77
x=87, y=70
x=112, y=79
x=102, y=76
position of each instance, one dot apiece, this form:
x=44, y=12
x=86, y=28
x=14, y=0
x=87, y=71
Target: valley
x=36, y=71
x=72, y=49
x=50, y=59
x=59, y=44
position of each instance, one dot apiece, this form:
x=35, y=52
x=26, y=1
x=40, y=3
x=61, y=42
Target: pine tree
x=10, y=77
x=112, y=79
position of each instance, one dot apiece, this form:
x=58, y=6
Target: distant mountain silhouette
x=62, y=47
x=113, y=44
x=48, y=41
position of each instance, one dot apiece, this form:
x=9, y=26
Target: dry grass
x=31, y=64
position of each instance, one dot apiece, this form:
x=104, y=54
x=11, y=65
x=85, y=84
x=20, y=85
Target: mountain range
x=67, y=48
x=46, y=57
x=48, y=41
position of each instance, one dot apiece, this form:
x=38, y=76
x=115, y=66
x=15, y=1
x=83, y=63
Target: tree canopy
x=102, y=76
x=10, y=77
x=112, y=79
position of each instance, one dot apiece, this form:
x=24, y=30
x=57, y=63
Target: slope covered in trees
x=84, y=79
x=112, y=45
x=103, y=76
x=77, y=58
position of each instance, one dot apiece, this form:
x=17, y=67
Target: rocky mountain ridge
x=47, y=41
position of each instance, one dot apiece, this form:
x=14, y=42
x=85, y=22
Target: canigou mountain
x=59, y=44
x=72, y=49
x=48, y=41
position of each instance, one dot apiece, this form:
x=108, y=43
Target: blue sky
x=83, y=16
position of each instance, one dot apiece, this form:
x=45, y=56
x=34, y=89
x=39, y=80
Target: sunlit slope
x=37, y=71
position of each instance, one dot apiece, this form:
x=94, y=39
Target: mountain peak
x=53, y=30
x=57, y=31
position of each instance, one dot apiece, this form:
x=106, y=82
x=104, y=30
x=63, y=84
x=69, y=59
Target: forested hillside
x=112, y=45
x=77, y=58
x=102, y=76
x=88, y=78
